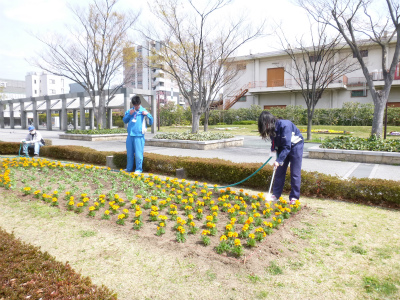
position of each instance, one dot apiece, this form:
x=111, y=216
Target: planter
x=197, y=145
x=93, y=137
x=373, y=157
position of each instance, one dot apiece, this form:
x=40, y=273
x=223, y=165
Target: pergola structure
x=73, y=102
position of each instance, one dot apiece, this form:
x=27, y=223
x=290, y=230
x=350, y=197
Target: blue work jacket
x=135, y=128
x=282, y=141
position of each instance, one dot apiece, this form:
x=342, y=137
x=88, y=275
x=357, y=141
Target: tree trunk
x=206, y=117
x=101, y=118
x=379, y=111
x=309, y=125
x=195, y=121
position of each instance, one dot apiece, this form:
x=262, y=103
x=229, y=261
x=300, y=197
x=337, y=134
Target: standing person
x=136, y=120
x=32, y=140
x=287, y=143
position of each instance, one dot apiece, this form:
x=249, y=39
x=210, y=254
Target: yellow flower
x=92, y=208
x=107, y=212
x=121, y=216
x=223, y=238
x=252, y=236
x=228, y=227
x=125, y=211
x=162, y=224
x=237, y=242
x=205, y=232
x=54, y=199
x=137, y=222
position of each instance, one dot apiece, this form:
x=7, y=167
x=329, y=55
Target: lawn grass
x=356, y=131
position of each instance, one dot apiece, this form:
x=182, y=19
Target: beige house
x=262, y=81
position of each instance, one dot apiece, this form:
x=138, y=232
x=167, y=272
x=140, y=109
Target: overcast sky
x=20, y=18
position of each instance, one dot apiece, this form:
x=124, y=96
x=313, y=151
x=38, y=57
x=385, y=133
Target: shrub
x=354, y=143
x=97, y=131
x=26, y=271
x=200, y=136
x=222, y=172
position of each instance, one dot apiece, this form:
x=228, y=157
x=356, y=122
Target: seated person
x=32, y=140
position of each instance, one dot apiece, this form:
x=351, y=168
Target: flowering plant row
x=232, y=221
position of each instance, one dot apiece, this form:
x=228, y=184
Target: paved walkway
x=254, y=150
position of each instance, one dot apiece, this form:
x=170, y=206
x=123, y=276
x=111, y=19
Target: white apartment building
x=262, y=81
x=141, y=75
x=42, y=84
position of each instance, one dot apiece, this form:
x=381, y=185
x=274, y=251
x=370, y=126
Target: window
x=52, y=81
x=35, y=92
x=358, y=93
x=315, y=58
x=242, y=99
x=161, y=83
x=52, y=91
x=241, y=66
x=3, y=84
x=139, y=82
x=364, y=53
x=34, y=81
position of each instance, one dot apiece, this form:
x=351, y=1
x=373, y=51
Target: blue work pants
x=134, y=152
x=36, y=146
x=295, y=158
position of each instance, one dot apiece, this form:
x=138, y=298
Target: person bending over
x=287, y=144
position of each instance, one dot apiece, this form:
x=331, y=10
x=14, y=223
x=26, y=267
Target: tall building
x=141, y=74
x=42, y=84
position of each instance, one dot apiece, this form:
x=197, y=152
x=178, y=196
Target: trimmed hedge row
x=28, y=273
x=222, y=172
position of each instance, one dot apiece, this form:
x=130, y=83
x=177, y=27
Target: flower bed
x=200, y=136
x=231, y=222
x=326, y=131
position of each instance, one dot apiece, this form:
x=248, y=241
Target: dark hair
x=136, y=100
x=266, y=125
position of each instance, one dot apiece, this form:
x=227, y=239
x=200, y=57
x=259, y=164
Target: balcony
x=289, y=85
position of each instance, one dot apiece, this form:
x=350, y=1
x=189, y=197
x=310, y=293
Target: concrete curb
x=373, y=157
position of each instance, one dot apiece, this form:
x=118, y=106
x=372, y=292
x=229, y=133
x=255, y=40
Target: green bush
x=26, y=271
x=245, y=122
x=222, y=172
x=354, y=143
x=97, y=131
x=200, y=136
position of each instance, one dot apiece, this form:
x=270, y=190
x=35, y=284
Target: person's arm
x=127, y=117
x=286, y=144
x=38, y=137
x=150, y=118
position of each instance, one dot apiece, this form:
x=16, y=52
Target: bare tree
x=196, y=49
x=94, y=52
x=359, y=24
x=316, y=65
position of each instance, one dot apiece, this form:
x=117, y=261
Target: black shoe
x=35, y=155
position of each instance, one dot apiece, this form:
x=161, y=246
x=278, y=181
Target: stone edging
x=374, y=157
x=198, y=145
x=93, y=137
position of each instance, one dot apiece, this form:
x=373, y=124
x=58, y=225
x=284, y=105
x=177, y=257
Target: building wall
x=42, y=84
x=255, y=74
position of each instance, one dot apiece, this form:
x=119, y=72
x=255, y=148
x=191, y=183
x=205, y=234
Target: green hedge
x=351, y=114
x=222, y=172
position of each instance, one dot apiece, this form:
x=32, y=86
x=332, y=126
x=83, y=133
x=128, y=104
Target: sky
x=21, y=20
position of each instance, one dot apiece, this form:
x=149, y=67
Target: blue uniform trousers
x=134, y=152
x=294, y=157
